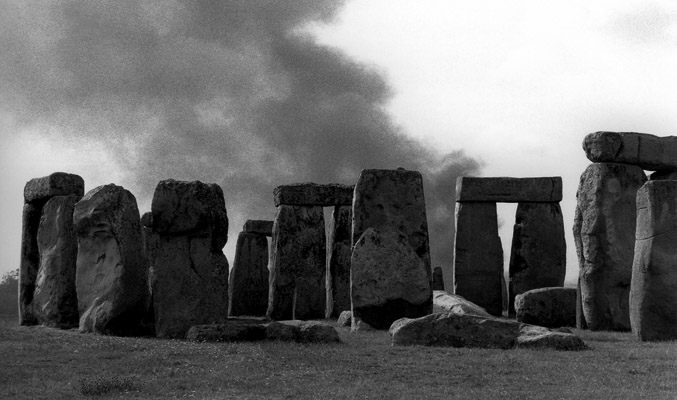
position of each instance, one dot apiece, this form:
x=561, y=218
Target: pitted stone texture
x=313, y=194
x=444, y=302
x=538, y=253
x=112, y=270
x=388, y=279
x=653, y=294
x=478, y=256
x=186, y=208
x=55, y=300
x=297, y=268
x=509, y=190
x=604, y=233
x=465, y=330
x=259, y=227
x=248, y=282
x=647, y=151
x=56, y=184
x=338, y=261
x=438, y=279
x=392, y=200
x=550, y=307
x=345, y=319
x=29, y=262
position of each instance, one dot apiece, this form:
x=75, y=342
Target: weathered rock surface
x=357, y=325
x=444, y=302
x=466, y=330
x=345, y=319
x=56, y=184
x=478, y=256
x=112, y=270
x=55, y=301
x=29, y=262
x=313, y=194
x=293, y=330
x=653, y=294
x=298, y=264
x=248, y=282
x=338, y=261
x=509, y=190
x=641, y=149
x=538, y=253
x=388, y=279
x=189, y=272
x=258, y=226
x=551, y=307
x=438, y=279
x=604, y=233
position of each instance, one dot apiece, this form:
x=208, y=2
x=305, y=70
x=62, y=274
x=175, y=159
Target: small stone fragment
x=345, y=319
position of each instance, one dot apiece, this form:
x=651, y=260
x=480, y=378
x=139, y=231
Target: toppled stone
x=236, y=331
x=478, y=256
x=112, y=270
x=298, y=264
x=345, y=319
x=551, y=307
x=231, y=331
x=444, y=302
x=388, y=279
x=248, y=281
x=189, y=272
x=438, y=279
x=55, y=301
x=466, y=330
x=604, y=234
x=311, y=331
x=259, y=227
x=56, y=184
x=509, y=190
x=538, y=253
x=653, y=293
x=313, y=194
x=646, y=151
x=338, y=261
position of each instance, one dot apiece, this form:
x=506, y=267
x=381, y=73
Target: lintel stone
x=260, y=227
x=314, y=194
x=56, y=184
x=647, y=151
x=509, y=190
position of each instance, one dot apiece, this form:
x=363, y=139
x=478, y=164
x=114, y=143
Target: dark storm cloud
x=221, y=91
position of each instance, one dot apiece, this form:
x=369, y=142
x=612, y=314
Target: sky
x=255, y=94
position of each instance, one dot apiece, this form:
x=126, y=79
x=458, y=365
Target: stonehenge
x=248, y=280
x=538, y=253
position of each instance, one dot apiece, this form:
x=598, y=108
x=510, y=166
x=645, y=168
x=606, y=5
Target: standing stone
x=248, y=282
x=389, y=219
x=604, y=233
x=297, y=269
x=189, y=276
x=538, y=253
x=112, y=271
x=338, y=261
x=438, y=279
x=653, y=294
x=478, y=256
x=55, y=301
x=37, y=192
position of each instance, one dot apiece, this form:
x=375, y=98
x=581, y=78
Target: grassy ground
x=38, y=362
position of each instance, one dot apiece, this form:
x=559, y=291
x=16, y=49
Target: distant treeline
x=9, y=283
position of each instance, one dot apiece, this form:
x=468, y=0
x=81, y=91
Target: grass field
x=39, y=362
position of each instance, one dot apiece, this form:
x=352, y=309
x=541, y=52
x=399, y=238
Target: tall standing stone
x=653, y=294
x=112, y=270
x=248, y=282
x=189, y=277
x=389, y=218
x=604, y=233
x=478, y=260
x=338, y=261
x=55, y=301
x=36, y=193
x=538, y=253
x=297, y=268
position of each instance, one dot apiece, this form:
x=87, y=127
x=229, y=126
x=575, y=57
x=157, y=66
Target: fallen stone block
x=537, y=337
x=235, y=330
x=444, y=302
x=653, y=292
x=509, y=190
x=551, y=307
x=646, y=151
x=310, y=331
x=259, y=227
x=230, y=331
x=313, y=194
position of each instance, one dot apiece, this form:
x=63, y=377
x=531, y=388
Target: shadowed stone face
x=248, y=281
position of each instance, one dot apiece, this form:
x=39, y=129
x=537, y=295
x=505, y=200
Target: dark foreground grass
x=39, y=362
